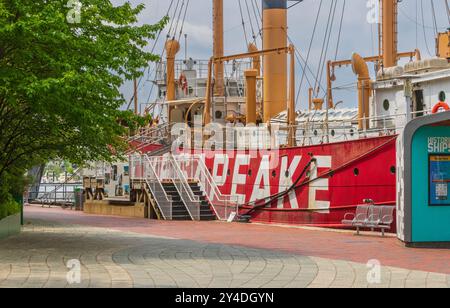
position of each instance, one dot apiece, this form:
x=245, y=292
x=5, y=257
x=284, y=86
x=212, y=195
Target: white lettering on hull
x=286, y=181
x=261, y=187
x=319, y=184
x=220, y=160
x=238, y=178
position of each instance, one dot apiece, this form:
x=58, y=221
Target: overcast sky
x=358, y=35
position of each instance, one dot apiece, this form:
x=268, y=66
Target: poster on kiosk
x=439, y=173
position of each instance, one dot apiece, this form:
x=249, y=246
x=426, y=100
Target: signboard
x=439, y=180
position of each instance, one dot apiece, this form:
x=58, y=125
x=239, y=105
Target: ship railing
x=231, y=69
x=320, y=131
x=169, y=171
x=195, y=169
x=234, y=87
x=309, y=132
x=142, y=169
x=56, y=195
x=152, y=134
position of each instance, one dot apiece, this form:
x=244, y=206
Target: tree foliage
x=59, y=81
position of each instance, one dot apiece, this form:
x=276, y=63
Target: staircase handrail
x=217, y=198
x=154, y=183
x=178, y=178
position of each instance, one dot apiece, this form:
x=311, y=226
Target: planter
x=10, y=226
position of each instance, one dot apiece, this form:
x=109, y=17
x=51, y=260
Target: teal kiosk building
x=423, y=184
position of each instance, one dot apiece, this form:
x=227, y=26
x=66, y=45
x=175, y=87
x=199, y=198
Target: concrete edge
x=10, y=226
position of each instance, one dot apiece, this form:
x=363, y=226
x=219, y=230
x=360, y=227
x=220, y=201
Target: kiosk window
x=439, y=180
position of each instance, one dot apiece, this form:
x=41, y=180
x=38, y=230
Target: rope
x=184, y=19
x=310, y=48
x=448, y=10
x=257, y=18
x=424, y=31
x=243, y=24
x=325, y=44
x=340, y=30
x=152, y=51
x=250, y=20
x=178, y=20
x=433, y=14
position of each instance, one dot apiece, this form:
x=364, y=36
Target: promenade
x=123, y=252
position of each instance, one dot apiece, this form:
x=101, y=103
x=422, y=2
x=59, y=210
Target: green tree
x=59, y=80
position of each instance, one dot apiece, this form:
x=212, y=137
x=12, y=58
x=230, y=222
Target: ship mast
x=389, y=33
x=218, y=48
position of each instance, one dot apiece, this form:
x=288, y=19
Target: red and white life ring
x=439, y=106
x=183, y=83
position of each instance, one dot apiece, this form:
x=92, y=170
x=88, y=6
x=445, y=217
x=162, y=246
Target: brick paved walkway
x=118, y=252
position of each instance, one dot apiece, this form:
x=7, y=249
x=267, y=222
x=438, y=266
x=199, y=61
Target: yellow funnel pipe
x=275, y=65
x=361, y=69
x=250, y=77
x=389, y=38
x=172, y=48
x=218, y=47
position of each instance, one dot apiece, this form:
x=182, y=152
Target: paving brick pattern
x=115, y=258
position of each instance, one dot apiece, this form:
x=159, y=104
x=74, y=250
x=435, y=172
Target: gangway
x=177, y=196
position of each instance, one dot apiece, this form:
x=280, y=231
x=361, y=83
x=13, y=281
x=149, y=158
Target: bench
x=370, y=216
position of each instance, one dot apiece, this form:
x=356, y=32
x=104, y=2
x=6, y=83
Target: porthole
x=386, y=104
x=352, y=132
x=228, y=172
x=219, y=114
x=333, y=133
x=274, y=173
x=249, y=172
x=393, y=170
x=356, y=171
x=315, y=133
x=442, y=96
x=286, y=174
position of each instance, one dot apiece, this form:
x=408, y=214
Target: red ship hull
x=345, y=174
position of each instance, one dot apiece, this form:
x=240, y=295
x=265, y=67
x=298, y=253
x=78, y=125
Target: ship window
x=315, y=133
x=228, y=172
x=286, y=174
x=393, y=170
x=356, y=171
x=352, y=132
x=219, y=114
x=442, y=96
x=249, y=172
x=333, y=133
x=274, y=173
x=386, y=104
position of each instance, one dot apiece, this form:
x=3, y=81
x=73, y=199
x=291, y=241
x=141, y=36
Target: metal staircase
x=176, y=197
x=196, y=171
